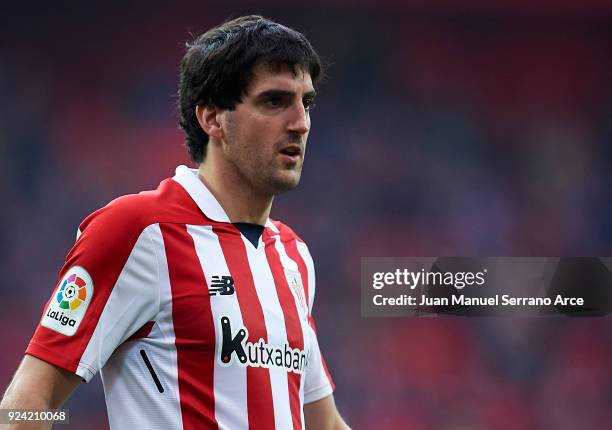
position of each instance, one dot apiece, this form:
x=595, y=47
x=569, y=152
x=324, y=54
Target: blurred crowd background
x=441, y=130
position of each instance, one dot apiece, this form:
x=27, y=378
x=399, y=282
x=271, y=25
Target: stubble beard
x=264, y=177
x=281, y=186
x=268, y=179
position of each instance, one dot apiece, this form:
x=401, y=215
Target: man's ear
x=208, y=117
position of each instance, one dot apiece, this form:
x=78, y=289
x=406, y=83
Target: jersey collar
x=208, y=204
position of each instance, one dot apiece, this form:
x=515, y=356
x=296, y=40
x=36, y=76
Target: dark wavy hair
x=218, y=67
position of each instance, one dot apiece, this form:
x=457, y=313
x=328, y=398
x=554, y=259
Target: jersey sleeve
x=107, y=290
x=318, y=383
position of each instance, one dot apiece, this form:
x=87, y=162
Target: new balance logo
x=221, y=285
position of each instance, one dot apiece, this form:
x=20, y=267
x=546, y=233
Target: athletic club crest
x=295, y=283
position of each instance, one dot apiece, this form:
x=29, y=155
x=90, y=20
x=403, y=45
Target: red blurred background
x=442, y=129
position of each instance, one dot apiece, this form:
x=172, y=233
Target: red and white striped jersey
x=191, y=325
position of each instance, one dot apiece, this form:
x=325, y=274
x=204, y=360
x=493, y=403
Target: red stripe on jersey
x=294, y=254
x=259, y=388
x=195, y=339
x=295, y=337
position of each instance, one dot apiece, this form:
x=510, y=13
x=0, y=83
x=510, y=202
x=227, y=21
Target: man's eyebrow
x=283, y=93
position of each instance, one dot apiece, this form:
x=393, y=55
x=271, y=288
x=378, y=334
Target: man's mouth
x=292, y=150
x=292, y=153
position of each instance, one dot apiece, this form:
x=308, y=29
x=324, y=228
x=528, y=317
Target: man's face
x=264, y=137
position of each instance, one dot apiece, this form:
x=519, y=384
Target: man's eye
x=309, y=104
x=274, y=102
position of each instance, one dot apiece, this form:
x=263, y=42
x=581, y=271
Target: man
x=192, y=302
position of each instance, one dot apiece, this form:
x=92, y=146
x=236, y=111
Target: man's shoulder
x=169, y=203
x=287, y=234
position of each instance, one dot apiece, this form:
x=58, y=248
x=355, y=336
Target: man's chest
x=246, y=303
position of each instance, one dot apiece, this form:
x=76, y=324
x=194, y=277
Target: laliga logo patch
x=67, y=308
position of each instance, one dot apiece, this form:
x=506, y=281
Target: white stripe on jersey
x=230, y=381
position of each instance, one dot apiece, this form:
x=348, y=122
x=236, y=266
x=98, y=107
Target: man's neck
x=238, y=200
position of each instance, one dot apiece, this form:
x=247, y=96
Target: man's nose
x=300, y=119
